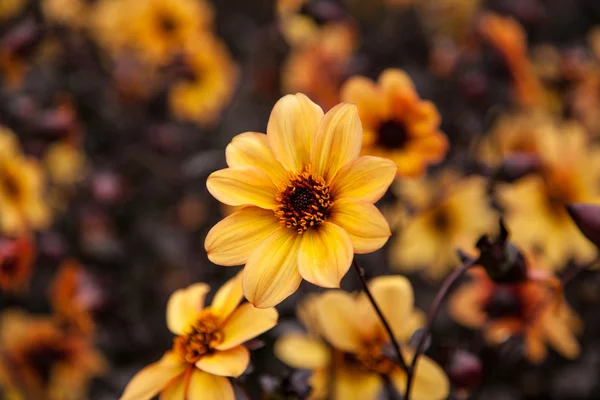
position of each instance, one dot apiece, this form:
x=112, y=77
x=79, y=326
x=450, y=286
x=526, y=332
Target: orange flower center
x=373, y=359
x=392, y=134
x=10, y=184
x=304, y=202
x=42, y=357
x=200, y=341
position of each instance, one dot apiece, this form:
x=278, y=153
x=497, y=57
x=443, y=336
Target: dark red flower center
x=392, y=134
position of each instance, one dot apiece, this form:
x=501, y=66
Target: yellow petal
x=466, y=305
x=210, y=387
x=175, y=390
x=430, y=381
x=366, y=178
x=246, y=322
x=291, y=130
x=243, y=186
x=394, y=297
x=393, y=80
x=365, y=224
x=252, y=148
x=325, y=255
x=338, y=322
x=184, y=305
x=354, y=384
x=271, y=273
x=228, y=297
x=232, y=362
x=338, y=140
x=364, y=93
x=299, y=350
x=559, y=336
x=232, y=240
x=151, y=380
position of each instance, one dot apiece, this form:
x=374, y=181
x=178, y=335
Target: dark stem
x=361, y=276
x=431, y=315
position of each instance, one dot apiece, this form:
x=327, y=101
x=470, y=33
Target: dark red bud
x=587, y=219
x=516, y=166
x=465, y=370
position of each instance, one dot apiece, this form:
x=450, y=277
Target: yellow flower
x=318, y=67
x=358, y=363
x=66, y=12
x=534, y=205
x=447, y=18
x=44, y=361
x=10, y=8
x=397, y=123
x=202, y=98
x=524, y=308
x=22, y=205
x=451, y=213
x=309, y=200
x=208, y=347
x=65, y=163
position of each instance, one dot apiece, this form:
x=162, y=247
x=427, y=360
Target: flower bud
x=516, y=166
x=587, y=219
x=465, y=370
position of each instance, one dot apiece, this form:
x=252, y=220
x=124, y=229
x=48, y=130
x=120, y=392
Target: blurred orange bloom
x=65, y=163
x=528, y=308
x=16, y=262
x=309, y=200
x=66, y=12
x=22, y=203
x=397, y=124
x=10, y=8
x=45, y=362
x=208, y=347
x=451, y=212
x=534, y=205
x=318, y=67
x=359, y=365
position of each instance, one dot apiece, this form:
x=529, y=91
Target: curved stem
x=361, y=275
x=431, y=315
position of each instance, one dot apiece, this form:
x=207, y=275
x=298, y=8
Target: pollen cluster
x=304, y=202
x=200, y=341
x=373, y=359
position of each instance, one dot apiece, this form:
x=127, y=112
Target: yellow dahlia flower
x=308, y=196
x=208, y=347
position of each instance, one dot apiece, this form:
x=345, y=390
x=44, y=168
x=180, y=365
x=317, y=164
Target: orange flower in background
x=66, y=12
x=22, y=203
x=534, y=205
x=357, y=367
x=526, y=308
x=308, y=196
x=208, y=347
x=16, y=263
x=45, y=362
x=211, y=85
x=318, y=67
x=451, y=212
x=397, y=124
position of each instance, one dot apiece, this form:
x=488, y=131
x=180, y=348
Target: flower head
x=208, y=347
x=359, y=357
x=22, y=205
x=397, y=124
x=308, y=200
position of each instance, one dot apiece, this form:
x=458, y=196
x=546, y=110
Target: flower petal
x=232, y=240
x=228, y=297
x=338, y=140
x=175, y=390
x=338, y=322
x=354, y=384
x=271, y=273
x=243, y=186
x=291, y=129
x=252, y=149
x=184, y=305
x=364, y=93
x=365, y=224
x=325, y=255
x=394, y=297
x=430, y=381
x=232, y=362
x=299, y=350
x=207, y=386
x=366, y=178
x=246, y=322
x=154, y=378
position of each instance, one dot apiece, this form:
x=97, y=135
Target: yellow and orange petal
x=16, y=262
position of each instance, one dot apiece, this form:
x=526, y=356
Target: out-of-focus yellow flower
x=308, y=196
x=397, y=124
x=203, y=96
x=208, y=347
x=527, y=308
x=350, y=324
x=451, y=213
x=65, y=163
x=318, y=67
x=45, y=362
x=66, y=12
x=10, y=8
x=22, y=203
x=447, y=18
x=535, y=213
x=16, y=261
